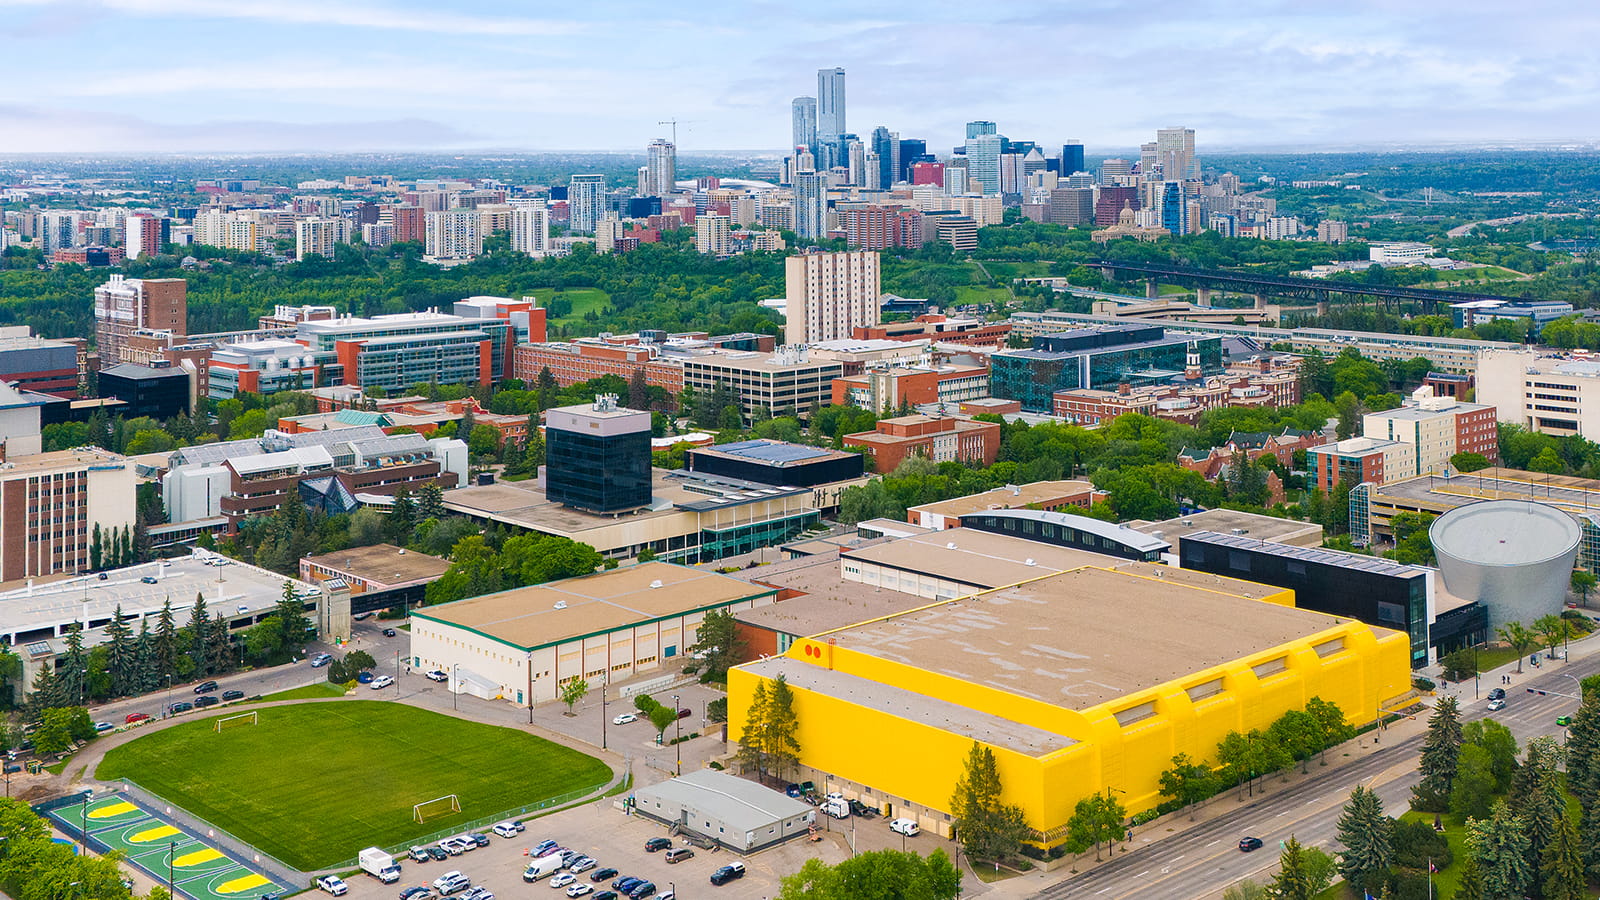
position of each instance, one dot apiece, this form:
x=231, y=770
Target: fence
x=665, y=682
x=477, y=824
x=245, y=852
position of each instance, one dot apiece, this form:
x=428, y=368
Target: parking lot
x=615, y=841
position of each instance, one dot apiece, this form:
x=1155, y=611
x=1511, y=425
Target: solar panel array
x=773, y=452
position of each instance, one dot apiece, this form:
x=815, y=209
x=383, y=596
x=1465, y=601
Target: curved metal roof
x=1505, y=533
x=1135, y=540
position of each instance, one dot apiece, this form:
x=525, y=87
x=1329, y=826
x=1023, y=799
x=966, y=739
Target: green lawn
x=315, y=783
x=309, y=692
x=971, y=293
x=583, y=300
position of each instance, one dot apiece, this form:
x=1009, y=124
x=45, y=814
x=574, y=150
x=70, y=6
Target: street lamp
x=172, y=851
x=530, y=687
x=397, y=673
x=83, y=830
x=677, y=742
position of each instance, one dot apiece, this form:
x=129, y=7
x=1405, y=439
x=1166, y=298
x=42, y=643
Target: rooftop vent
x=561, y=604
x=656, y=583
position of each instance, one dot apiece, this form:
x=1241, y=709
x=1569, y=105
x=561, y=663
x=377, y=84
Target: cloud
x=337, y=12
x=32, y=129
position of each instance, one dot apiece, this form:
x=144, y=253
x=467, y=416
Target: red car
x=135, y=717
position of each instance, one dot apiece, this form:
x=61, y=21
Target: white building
x=1398, y=252
x=453, y=234
x=585, y=202
x=830, y=294
x=1555, y=394
x=530, y=227
x=317, y=236
x=712, y=236
x=661, y=168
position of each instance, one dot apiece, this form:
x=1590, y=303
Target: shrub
x=1422, y=684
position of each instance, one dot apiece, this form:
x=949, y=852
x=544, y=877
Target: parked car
x=390, y=632
x=207, y=700
x=205, y=687
x=437, y=675
x=321, y=659
x=135, y=717
x=624, y=719
x=417, y=892
x=543, y=849
x=603, y=875
x=451, y=883
x=478, y=892
x=507, y=829
x=606, y=895
x=626, y=883
x=657, y=843
x=579, y=889
x=478, y=840
x=1248, y=844
x=437, y=854
x=679, y=854
x=381, y=682
x=181, y=706
x=727, y=873
x=452, y=846
x=582, y=864
x=365, y=677
x=232, y=695
x=668, y=894
x=906, y=827
x=420, y=854
x=333, y=884
x=103, y=727
x=642, y=890
x=685, y=713
x=562, y=879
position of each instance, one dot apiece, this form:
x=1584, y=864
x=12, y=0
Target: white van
x=544, y=865
x=906, y=827
x=838, y=807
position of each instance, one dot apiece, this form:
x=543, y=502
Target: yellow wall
x=906, y=760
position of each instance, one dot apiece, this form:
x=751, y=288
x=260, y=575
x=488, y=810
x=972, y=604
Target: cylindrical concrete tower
x=1514, y=556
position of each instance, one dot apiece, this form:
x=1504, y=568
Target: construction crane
x=674, y=124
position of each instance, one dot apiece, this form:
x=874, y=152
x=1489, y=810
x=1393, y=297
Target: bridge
x=1308, y=290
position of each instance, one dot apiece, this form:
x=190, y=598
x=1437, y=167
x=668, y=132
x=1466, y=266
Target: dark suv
x=657, y=843
x=727, y=873
x=205, y=687
x=1497, y=694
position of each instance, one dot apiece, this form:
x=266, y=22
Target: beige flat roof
x=1005, y=498
x=382, y=563
x=527, y=617
x=1082, y=638
x=1224, y=521
x=828, y=602
x=524, y=503
x=980, y=558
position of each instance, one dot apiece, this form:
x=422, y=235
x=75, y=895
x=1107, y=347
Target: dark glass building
x=597, y=458
x=1072, y=159
x=776, y=463
x=1368, y=588
x=157, y=393
x=1100, y=358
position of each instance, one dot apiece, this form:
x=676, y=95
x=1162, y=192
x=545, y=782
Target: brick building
x=938, y=439
x=880, y=390
x=589, y=358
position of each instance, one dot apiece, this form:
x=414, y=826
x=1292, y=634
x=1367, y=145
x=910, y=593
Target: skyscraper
x=828, y=295
x=143, y=235
x=804, y=111
x=530, y=227
x=1174, y=212
x=983, y=160
x=454, y=234
x=912, y=152
x=810, y=205
x=712, y=235
x=830, y=115
x=979, y=128
x=125, y=305
x=58, y=230
x=1175, y=153
x=886, y=144
x=662, y=163
x=585, y=201
x=316, y=237
x=1072, y=158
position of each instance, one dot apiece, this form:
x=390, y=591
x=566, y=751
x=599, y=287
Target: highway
x=1205, y=859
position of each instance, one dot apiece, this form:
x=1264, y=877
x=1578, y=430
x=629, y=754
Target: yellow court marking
x=120, y=808
x=240, y=885
x=157, y=833
x=196, y=858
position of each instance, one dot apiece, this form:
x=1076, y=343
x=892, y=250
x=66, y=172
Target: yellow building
x=1079, y=681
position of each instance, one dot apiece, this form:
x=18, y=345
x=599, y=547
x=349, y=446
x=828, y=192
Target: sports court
x=199, y=869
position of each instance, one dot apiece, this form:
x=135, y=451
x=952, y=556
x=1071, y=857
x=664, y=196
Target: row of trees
x=875, y=874
x=33, y=866
x=769, y=743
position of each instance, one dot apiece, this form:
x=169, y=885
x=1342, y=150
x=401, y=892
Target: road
x=1205, y=859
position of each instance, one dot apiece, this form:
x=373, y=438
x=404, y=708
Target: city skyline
x=396, y=76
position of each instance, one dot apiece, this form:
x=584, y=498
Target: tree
x=166, y=641
x=1500, y=847
x=1299, y=734
x=751, y=753
x=782, y=729
x=1440, y=750
x=402, y=517
x=1553, y=629
x=120, y=659
x=1584, y=581
x=1471, y=885
x=1364, y=832
x=145, y=675
x=1459, y=665
x=876, y=874
x=430, y=502
x=988, y=828
x=291, y=613
x=1245, y=890
x=1562, y=874
x=198, y=632
x=1473, y=789
x=1293, y=880
x=577, y=689
x=638, y=390
x=1331, y=722
x=1096, y=818
x=54, y=734
x=1470, y=462
x=718, y=639
x=1188, y=782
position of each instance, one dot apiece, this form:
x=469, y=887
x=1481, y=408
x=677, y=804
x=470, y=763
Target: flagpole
x=1430, y=878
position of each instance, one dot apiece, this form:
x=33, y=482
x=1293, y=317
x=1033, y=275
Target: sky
x=198, y=76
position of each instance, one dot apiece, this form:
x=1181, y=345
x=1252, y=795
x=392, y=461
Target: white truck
x=541, y=867
x=838, y=807
x=379, y=865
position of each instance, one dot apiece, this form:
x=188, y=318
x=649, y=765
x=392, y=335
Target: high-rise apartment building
x=377, y=235
x=1112, y=169
x=830, y=294
x=143, y=235
x=454, y=234
x=585, y=202
x=1175, y=154
x=530, y=227
x=713, y=236
x=661, y=164
x=123, y=306
x=1072, y=158
x=804, y=111
x=55, y=507
x=912, y=151
x=410, y=224
x=316, y=237
x=58, y=230
x=830, y=112
x=983, y=160
x=811, y=205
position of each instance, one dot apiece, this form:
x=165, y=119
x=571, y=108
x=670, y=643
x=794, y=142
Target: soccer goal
x=248, y=718
x=447, y=805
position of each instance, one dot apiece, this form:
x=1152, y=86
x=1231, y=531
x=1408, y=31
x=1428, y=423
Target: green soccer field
x=314, y=784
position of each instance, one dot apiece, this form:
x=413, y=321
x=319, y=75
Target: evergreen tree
x=1364, y=831
x=1293, y=881
x=120, y=655
x=638, y=390
x=533, y=452
x=97, y=549
x=549, y=390
x=782, y=729
x=292, y=620
x=402, y=517
x=1500, y=846
x=1441, y=750
x=146, y=675
x=430, y=502
x=198, y=631
x=1537, y=796
x=1561, y=870
x=74, y=669
x=1471, y=885
x=1583, y=749
x=219, y=649
x=751, y=754
x=46, y=693
x=166, y=642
